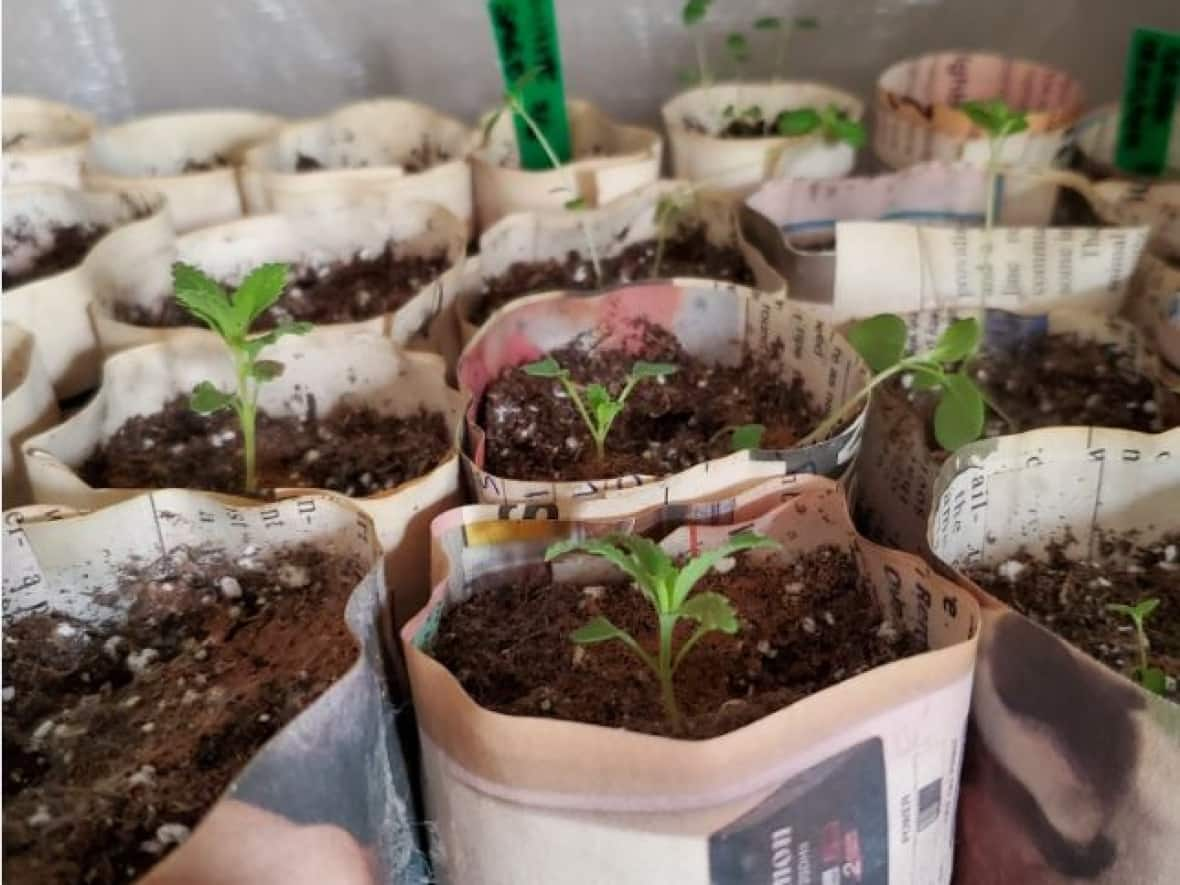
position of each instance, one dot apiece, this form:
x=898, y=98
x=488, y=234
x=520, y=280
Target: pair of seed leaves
x=832, y=122
x=959, y=415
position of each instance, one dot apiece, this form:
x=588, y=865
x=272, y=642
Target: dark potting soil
x=688, y=254
x=118, y=740
x=71, y=244
x=668, y=424
x=1069, y=597
x=355, y=451
x=217, y=161
x=1057, y=380
x=348, y=291
x=805, y=626
x=419, y=159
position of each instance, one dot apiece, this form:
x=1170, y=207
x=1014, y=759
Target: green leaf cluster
x=995, y=117
x=832, y=122
x=594, y=402
x=1152, y=678
x=669, y=590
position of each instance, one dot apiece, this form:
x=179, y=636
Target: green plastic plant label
x=530, y=59
x=1149, y=100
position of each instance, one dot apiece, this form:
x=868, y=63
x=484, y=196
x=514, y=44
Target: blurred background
x=124, y=57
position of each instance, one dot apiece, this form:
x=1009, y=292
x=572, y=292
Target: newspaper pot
x=29, y=407
x=917, y=117
x=44, y=141
x=191, y=158
x=622, y=806
x=140, y=282
x=719, y=324
x=550, y=235
x=900, y=460
x=383, y=147
x=610, y=159
x=326, y=790
x=1066, y=808
x=1154, y=306
x=695, y=118
x=55, y=308
x=322, y=370
x=916, y=238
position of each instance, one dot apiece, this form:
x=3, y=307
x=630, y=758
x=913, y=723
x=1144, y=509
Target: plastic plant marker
x=1149, y=101
x=526, y=40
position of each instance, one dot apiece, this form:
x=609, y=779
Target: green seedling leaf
x=747, y=436
x=958, y=417
x=254, y=345
x=838, y=126
x=738, y=46
x=207, y=399
x=267, y=370
x=545, y=368
x=880, y=340
x=712, y=611
x=697, y=567
x=650, y=556
x=576, y=203
x=1153, y=679
x=694, y=11
x=606, y=412
x=926, y=377
x=606, y=549
x=959, y=341
x=1146, y=607
x=801, y=121
x=768, y=23
x=995, y=117
x=262, y=287
x=726, y=112
x=598, y=629
x=641, y=369
x=597, y=395
x=204, y=299
x=689, y=76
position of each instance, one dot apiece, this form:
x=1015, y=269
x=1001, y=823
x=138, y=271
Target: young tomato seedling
x=1151, y=678
x=881, y=340
x=513, y=104
x=999, y=121
x=783, y=31
x=230, y=316
x=594, y=402
x=692, y=15
x=668, y=589
x=831, y=122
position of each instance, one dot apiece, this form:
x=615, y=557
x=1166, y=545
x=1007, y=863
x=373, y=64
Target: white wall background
x=125, y=57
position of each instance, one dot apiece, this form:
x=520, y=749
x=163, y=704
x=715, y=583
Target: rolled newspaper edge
x=29, y=407
x=44, y=141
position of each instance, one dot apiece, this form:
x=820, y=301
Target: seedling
x=738, y=48
x=1152, y=678
x=593, y=401
x=999, y=121
x=670, y=211
x=514, y=104
x=881, y=340
x=692, y=15
x=230, y=317
x=832, y=122
x=783, y=31
x=668, y=589
x=741, y=436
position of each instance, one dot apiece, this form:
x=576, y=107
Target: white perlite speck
x=145, y=777
x=40, y=817
x=148, y=727
x=809, y=626
x=724, y=565
x=230, y=588
x=293, y=576
x=887, y=632
x=1010, y=570
x=1171, y=553
x=138, y=661
x=65, y=631
x=9, y=693
x=172, y=834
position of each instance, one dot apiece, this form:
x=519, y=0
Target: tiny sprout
x=593, y=401
x=738, y=47
x=230, y=316
x=881, y=341
x=832, y=122
x=747, y=436
x=1151, y=678
x=670, y=209
x=999, y=121
x=692, y=14
x=668, y=589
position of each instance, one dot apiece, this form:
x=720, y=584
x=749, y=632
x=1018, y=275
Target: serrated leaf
x=598, y=629
x=642, y=369
x=957, y=342
x=958, y=417
x=254, y=346
x=608, y=550
x=651, y=558
x=748, y=436
x=880, y=340
x=768, y=23
x=1153, y=679
x=262, y=287
x=545, y=368
x=801, y=121
x=204, y=299
x=697, y=567
x=206, y=399
x=267, y=370
x=712, y=611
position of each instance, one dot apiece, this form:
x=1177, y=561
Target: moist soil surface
x=533, y=430
x=419, y=159
x=1068, y=595
x=688, y=254
x=1057, y=380
x=354, y=451
x=71, y=244
x=118, y=739
x=363, y=287
x=804, y=626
